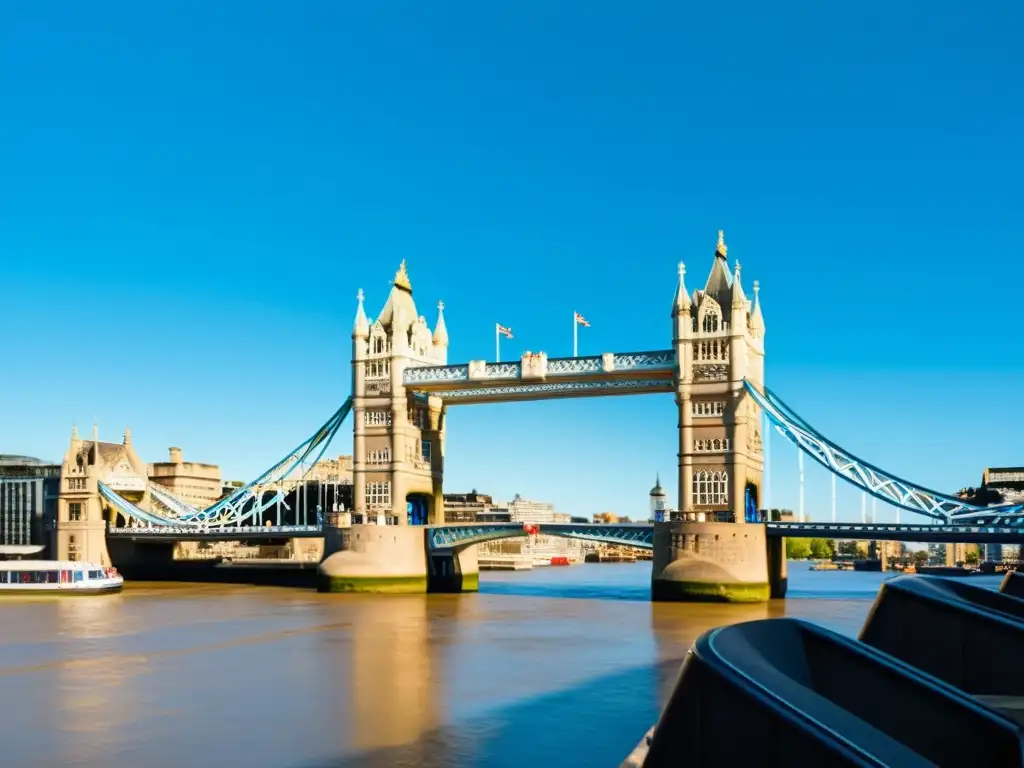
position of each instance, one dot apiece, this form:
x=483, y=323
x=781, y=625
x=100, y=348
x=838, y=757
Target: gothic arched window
x=710, y=488
x=710, y=322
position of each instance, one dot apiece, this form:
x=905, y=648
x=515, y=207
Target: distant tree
x=822, y=549
x=971, y=558
x=798, y=549
x=862, y=549
x=920, y=557
x=847, y=548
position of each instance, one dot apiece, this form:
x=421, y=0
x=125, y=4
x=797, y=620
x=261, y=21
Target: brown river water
x=564, y=666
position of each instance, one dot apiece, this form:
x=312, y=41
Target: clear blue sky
x=191, y=193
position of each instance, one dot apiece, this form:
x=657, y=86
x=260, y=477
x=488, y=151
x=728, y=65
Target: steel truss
x=557, y=389
x=663, y=360
x=874, y=480
x=248, y=502
x=453, y=536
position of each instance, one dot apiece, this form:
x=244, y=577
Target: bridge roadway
x=937, y=534
x=631, y=534
x=232, y=533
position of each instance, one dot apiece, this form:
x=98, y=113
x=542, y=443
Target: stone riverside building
x=81, y=524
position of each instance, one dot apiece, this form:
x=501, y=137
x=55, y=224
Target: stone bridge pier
x=717, y=562
x=395, y=559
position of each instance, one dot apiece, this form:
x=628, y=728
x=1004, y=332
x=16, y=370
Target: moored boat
x=22, y=577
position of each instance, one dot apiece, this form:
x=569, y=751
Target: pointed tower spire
x=127, y=435
x=721, y=250
x=681, y=303
x=657, y=490
x=74, y=432
x=95, y=432
x=739, y=298
x=362, y=325
x=756, y=318
x=440, y=330
x=402, y=278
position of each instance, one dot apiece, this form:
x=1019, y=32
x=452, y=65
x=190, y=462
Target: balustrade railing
x=551, y=367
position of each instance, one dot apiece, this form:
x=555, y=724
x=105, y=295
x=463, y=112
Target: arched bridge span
x=455, y=537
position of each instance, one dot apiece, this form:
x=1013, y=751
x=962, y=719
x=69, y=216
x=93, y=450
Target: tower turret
x=361, y=329
x=756, y=318
x=658, y=501
x=441, y=336
x=681, y=305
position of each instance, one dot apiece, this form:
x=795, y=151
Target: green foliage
x=798, y=549
x=971, y=558
x=822, y=549
x=920, y=557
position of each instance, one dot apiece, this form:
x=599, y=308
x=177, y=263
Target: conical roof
x=657, y=490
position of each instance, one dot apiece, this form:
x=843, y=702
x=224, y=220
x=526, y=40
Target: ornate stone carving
x=713, y=372
x=534, y=365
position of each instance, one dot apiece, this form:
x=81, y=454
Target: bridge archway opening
x=417, y=507
x=750, y=503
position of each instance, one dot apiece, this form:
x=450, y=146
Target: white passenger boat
x=21, y=577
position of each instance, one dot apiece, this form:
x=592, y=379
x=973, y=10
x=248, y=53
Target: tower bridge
x=402, y=388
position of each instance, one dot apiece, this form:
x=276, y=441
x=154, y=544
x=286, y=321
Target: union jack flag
x=580, y=319
x=506, y=332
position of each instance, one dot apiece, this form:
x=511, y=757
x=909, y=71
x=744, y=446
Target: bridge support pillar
x=375, y=558
x=778, y=574
x=710, y=562
x=454, y=571
x=142, y=560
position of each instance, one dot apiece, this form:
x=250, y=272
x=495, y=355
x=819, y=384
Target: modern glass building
x=28, y=499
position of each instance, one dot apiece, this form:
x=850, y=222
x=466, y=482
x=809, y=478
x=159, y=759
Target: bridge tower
x=81, y=530
x=718, y=334
x=710, y=553
x=398, y=436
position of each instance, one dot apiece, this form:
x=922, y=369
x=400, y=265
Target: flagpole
x=575, y=336
x=497, y=344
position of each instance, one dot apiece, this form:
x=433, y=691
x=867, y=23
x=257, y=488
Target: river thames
x=552, y=666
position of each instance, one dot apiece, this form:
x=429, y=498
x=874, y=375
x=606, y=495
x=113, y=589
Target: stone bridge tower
x=718, y=334
x=398, y=437
x=81, y=530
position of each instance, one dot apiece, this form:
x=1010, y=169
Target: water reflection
x=566, y=664
x=395, y=695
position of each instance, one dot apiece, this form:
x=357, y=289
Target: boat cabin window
x=33, y=577
x=95, y=574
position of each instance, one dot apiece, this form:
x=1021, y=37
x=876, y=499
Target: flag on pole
x=506, y=332
x=581, y=319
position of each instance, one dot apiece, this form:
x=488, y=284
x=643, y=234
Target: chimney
x=175, y=455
